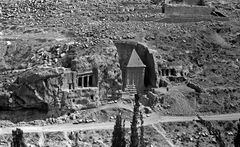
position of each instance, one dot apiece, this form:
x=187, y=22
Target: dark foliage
x=201, y=3
x=76, y=140
x=18, y=140
x=142, y=143
x=118, y=138
x=134, y=130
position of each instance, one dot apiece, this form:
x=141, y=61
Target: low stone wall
x=188, y=2
x=187, y=10
x=186, y=19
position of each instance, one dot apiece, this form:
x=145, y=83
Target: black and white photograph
x=119, y=73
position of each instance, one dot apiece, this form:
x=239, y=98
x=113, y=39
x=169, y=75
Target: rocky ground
x=189, y=134
x=38, y=37
x=89, y=138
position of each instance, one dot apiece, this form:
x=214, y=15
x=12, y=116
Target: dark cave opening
x=80, y=82
x=85, y=81
x=91, y=81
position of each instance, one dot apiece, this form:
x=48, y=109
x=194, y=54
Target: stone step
x=131, y=85
x=131, y=89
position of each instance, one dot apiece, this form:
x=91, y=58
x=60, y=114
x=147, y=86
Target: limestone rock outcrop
x=35, y=90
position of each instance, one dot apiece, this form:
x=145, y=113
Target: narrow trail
x=153, y=119
x=116, y=105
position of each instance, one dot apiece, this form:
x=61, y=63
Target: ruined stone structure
x=135, y=73
x=73, y=80
x=171, y=72
x=168, y=72
x=86, y=79
x=187, y=10
x=80, y=88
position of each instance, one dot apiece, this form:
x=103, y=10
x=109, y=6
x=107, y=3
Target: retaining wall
x=187, y=10
x=188, y=2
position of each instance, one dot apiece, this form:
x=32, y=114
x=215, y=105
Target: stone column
x=82, y=81
x=87, y=80
x=128, y=77
x=142, y=79
x=128, y=81
x=131, y=78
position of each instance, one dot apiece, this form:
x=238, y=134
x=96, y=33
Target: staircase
x=131, y=89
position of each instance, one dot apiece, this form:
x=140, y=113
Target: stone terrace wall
x=187, y=10
x=188, y=2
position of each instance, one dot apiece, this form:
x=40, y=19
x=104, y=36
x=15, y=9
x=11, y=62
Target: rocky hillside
x=38, y=37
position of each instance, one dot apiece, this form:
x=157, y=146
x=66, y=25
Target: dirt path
x=39, y=35
x=153, y=119
x=116, y=105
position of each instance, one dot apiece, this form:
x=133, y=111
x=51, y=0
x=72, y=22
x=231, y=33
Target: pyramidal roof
x=135, y=60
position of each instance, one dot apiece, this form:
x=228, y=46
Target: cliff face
x=35, y=90
x=37, y=93
x=39, y=86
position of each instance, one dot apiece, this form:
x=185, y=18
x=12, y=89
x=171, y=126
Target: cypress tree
x=123, y=141
x=18, y=140
x=118, y=138
x=76, y=140
x=142, y=144
x=134, y=130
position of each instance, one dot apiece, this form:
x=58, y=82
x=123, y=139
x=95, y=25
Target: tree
x=134, y=130
x=118, y=139
x=18, y=140
x=76, y=140
x=237, y=137
x=201, y=3
x=142, y=143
